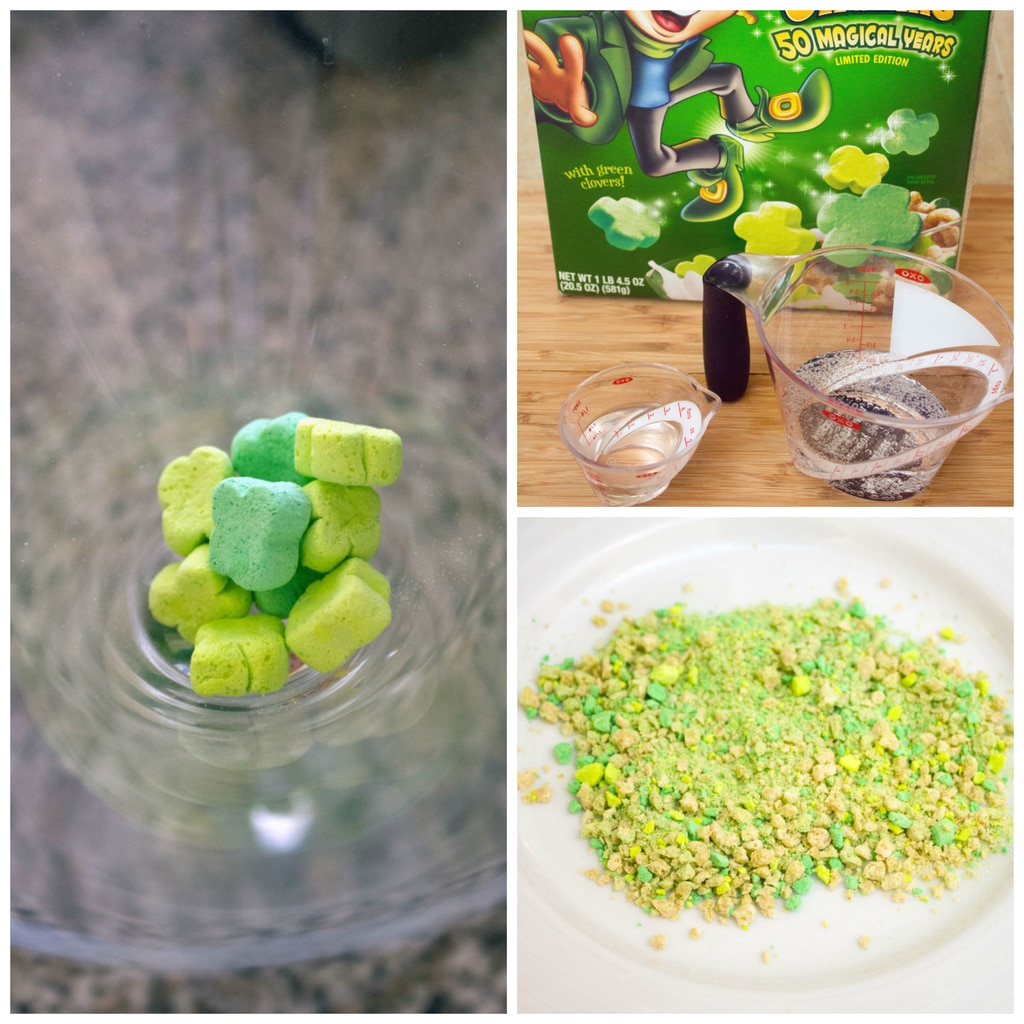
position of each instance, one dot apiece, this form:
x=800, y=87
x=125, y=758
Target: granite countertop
x=185, y=175
x=462, y=972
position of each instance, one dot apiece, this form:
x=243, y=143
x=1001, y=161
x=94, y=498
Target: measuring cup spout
x=731, y=286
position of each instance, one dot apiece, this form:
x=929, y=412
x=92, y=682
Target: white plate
x=583, y=948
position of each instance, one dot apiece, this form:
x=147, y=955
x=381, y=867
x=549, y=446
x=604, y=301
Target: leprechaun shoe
x=721, y=187
x=787, y=112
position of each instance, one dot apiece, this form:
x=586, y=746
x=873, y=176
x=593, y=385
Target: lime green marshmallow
x=187, y=594
x=233, y=657
x=185, y=492
x=335, y=617
x=347, y=453
x=373, y=578
x=345, y=522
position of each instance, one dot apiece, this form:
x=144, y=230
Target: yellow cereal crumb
x=864, y=941
x=687, y=588
x=824, y=924
x=599, y=620
x=524, y=780
x=607, y=606
x=695, y=933
x=658, y=941
x=623, y=605
x=843, y=586
x=885, y=583
x=766, y=956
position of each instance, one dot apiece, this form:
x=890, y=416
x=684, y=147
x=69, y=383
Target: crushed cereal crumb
x=730, y=762
x=658, y=941
x=538, y=796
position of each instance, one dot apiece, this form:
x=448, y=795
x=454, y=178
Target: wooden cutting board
x=744, y=458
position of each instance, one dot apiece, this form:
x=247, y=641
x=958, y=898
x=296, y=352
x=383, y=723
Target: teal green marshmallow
x=257, y=529
x=265, y=449
x=280, y=600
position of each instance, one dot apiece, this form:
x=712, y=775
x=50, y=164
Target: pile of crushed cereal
x=732, y=761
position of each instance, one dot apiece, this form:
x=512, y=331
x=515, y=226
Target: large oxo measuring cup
x=881, y=360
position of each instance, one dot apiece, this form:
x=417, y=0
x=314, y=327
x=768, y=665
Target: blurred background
x=208, y=180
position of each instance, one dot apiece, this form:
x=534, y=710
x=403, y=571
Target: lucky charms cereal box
x=669, y=139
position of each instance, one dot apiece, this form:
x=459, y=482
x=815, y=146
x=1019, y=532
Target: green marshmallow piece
x=334, y=618
x=233, y=657
x=185, y=492
x=347, y=453
x=373, y=578
x=943, y=832
x=257, y=529
x=345, y=522
x=625, y=222
x=186, y=595
x=280, y=600
x=881, y=216
x=265, y=449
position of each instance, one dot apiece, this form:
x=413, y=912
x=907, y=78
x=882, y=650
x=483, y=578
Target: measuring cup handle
x=726, y=342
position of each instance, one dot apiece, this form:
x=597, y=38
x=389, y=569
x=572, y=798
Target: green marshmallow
x=233, y=657
x=334, y=618
x=185, y=492
x=373, y=578
x=881, y=216
x=185, y=595
x=943, y=832
x=347, y=453
x=345, y=522
x=257, y=529
x=625, y=222
x=265, y=449
x=279, y=601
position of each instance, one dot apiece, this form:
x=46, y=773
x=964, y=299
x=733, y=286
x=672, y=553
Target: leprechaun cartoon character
x=590, y=73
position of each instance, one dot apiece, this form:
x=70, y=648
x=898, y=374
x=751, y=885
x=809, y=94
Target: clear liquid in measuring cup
x=659, y=443
x=644, y=445
x=861, y=385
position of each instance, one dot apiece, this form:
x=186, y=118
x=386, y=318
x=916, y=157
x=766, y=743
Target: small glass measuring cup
x=632, y=428
x=881, y=360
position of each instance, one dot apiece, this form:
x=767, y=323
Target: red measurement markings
x=841, y=420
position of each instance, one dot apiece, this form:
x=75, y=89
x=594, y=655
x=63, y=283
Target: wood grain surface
x=743, y=458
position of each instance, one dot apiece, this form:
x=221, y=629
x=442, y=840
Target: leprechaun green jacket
x=615, y=53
